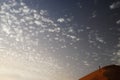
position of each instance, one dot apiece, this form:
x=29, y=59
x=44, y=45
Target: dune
x=110, y=72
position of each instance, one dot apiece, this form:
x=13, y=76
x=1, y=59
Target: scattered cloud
x=24, y=35
x=61, y=20
x=115, y=5
x=118, y=22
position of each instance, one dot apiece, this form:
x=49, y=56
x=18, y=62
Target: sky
x=57, y=39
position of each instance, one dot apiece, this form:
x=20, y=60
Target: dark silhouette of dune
x=111, y=72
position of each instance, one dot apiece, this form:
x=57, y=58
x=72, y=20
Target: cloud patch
x=115, y=5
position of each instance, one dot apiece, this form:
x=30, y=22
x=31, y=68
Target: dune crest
x=111, y=72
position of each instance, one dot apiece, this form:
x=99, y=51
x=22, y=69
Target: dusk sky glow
x=57, y=39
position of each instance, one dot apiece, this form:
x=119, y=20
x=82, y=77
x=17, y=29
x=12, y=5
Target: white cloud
x=22, y=30
x=61, y=20
x=115, y=5
x=118, y=22
x=69, y=19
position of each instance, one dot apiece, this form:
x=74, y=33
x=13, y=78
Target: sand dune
x=111, y=72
